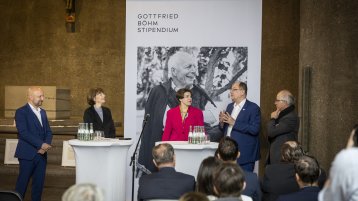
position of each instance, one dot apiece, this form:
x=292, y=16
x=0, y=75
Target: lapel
x=34, y=117
x=243, y=110
x=96, y=115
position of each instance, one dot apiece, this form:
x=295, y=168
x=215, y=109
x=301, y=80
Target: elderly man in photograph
x=283, y=125
x=183, y=70
x=241, y=121
x=35, y=138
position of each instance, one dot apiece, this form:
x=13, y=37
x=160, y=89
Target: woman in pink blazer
x=180, y=118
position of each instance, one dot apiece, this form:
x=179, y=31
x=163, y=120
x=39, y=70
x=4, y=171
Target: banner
x=207, y=44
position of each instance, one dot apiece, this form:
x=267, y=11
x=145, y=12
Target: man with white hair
x=183, y=71
x=283, y=125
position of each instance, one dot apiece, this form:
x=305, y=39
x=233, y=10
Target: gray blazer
x=284, y=131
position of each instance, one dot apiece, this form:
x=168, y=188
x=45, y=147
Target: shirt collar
x=33, y=108
x=241, y=104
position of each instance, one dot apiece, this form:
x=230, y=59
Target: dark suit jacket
x=306, y=194
x=278, y=179
x=165, y=184
x=246, y=131
x=252, y=189
x=91, y=116
x=280, y=133
x=31, y=134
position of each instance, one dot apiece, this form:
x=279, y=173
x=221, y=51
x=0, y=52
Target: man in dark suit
x=307, y=173
x=283, y=125
x=35, y=137
x=228, y=151
x=166, y=183
x=241, y=121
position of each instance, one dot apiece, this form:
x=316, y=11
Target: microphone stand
x=132, y=163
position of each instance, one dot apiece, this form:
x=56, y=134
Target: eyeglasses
x=278, y=100
x=235, y=89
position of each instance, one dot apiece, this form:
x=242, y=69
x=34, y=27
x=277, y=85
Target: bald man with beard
x=283, y=125
x=35, y=138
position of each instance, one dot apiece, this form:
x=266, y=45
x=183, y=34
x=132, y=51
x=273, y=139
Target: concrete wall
x=37, y=50
x=329, y=45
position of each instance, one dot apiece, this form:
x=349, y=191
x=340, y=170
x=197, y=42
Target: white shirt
x=235, y=112
x=37, y=112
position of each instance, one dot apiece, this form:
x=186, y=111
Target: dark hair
x=92, y=94
x=229, y=180
x=204, y=182
x=180, y=93
x=243, y=86
x=193, y=196
x=355, y=135
x=228, y=149
x=163, y=153
x=307, y=169
x=291, y=151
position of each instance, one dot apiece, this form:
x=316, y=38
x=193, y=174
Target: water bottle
x=190, y=136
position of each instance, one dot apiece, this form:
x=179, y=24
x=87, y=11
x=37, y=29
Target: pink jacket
x=177, y=130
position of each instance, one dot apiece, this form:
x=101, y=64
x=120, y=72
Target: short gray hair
x=83, y=192
x=288, y=97
x=163, y=153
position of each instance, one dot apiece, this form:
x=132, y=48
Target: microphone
x=146, y=117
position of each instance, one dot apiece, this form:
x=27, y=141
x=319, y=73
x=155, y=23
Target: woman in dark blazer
x=99, y=115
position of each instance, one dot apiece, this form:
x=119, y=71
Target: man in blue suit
x=307, y=172
x=241, y=121
x=35, y=138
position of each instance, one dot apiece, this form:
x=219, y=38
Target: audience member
x=35, y=138
x=280, y=178
x=342, y=184
x=228, y=151
x=181, y=118
x=353, y=138
x=166, y=183
x=241, y=121
x=100, y=116
x=193, y=196
x=83, y=192
x=283, y=125
x=204, y=178
x=307, y=173
x=229, y=181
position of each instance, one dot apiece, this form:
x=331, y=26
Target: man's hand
x=274, y=114
x=45, y=147
x=41, y=151
x=227, y=118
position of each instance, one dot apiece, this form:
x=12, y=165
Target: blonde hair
x=83, y=192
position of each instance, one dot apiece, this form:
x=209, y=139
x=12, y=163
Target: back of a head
x=343, y=176
x=205, y=175
x=228, y=180
x=163, y=153
x=228, y=149
x=291, y=151
x=83, y=192
x=308, y=169
x=193, y=196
